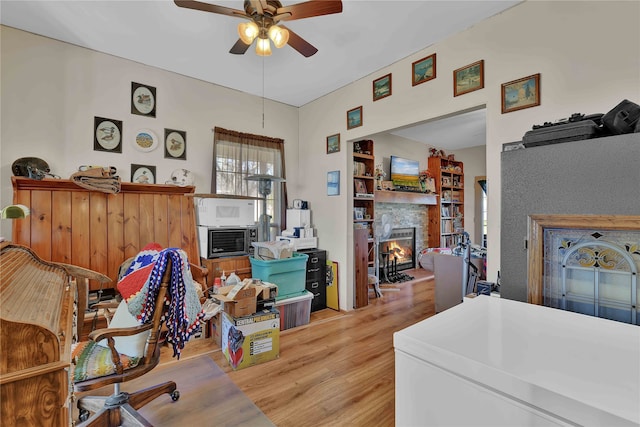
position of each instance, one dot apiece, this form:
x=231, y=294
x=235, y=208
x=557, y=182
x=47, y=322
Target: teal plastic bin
x=289, y=274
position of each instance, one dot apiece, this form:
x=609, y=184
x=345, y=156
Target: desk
x=492, y=361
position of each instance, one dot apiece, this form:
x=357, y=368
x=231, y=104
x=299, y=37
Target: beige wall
x=588, y=55
x=51, y=92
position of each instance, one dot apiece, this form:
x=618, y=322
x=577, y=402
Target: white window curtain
x=238, y=155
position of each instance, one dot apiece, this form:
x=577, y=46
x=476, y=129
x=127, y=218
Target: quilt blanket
x=140, y=285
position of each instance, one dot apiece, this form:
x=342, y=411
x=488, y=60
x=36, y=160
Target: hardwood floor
x=338, y=369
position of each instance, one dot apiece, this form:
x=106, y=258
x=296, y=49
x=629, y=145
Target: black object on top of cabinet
x=316, y=277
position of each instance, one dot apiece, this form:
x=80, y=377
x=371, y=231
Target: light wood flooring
x=339, y=369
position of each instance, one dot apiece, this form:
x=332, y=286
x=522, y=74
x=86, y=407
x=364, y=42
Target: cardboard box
x=238, y=300
x=266, y=290
x=250, y=340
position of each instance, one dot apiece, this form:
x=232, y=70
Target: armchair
x=108, y=357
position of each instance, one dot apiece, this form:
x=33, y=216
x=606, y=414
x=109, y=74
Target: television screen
x=405, y=172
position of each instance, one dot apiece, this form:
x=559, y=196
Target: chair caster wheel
x=83, y=415
x=175, y=395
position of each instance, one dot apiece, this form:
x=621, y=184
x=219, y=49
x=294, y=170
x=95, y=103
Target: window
x=239, y=155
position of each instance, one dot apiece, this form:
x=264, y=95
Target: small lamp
x=279, y=36
x=263, y=47
x=248, y=31
x=14, y=212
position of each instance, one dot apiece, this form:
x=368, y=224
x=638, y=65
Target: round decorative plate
x=143, y=176
x=181, y=178
x=108, y=135
x=145, y=140
x=175, y=144
x=143, y=100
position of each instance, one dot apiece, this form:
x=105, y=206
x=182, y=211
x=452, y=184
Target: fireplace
x=398, y=251
x=586, y=264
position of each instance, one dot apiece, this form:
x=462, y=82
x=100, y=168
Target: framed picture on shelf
x=382, y=87
x=333, y=143
x=107, y=135
x=143, y=99
x=354, y=118
x=423, y=70
x=175, y=144
x=333, y=183
x=468, y=78
x=360, y=187
x=521, y=93
x=143, y=174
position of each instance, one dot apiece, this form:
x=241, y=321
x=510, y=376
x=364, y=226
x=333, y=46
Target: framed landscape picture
x=333, y=183
x=382, y=87
x=423, y=70
x=354, y=118
x=468, y=78
x=521, y=93
x=333, y=143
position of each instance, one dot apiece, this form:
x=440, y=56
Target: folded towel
x=97, y=179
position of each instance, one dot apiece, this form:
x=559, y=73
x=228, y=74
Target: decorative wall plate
x=146, y=140
x=107, y=135
x=143, y=100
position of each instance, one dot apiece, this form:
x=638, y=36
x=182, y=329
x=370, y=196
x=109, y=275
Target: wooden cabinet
x=216, y=266
x=446, y=218
x=360, y=255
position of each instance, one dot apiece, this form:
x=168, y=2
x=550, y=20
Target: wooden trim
x=536, y=227
x=405, y=197
x=23, y=183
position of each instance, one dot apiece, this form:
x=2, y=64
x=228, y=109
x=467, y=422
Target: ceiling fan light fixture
x=248, y=31
x=279, y=36
x=263, y=47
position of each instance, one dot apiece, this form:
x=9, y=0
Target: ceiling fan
x=264, y=22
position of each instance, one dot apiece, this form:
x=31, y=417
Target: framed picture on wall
x=423, y=70
x=143, y=99
x=333, y=143
x=521, y=93
x=354, y=118
x=382, y=87
x=333, y=183
x=175, y=144
x=107, y=135
x=468, y=78
x=143, y=174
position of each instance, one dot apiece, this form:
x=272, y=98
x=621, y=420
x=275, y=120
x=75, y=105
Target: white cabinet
x=493, y=361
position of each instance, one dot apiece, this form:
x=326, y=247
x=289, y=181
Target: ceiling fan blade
x=309, y=9
x=300, y=44
x=239, y=48
x=207, y=7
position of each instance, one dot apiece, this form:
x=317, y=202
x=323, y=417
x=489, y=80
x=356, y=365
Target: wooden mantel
x=386, y=196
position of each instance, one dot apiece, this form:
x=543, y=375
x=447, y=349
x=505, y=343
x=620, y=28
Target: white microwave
x=221, y=212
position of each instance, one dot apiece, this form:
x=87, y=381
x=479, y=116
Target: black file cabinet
x=316, y=279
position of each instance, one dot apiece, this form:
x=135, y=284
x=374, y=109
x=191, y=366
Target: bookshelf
x=363, y=215
x=446, y=217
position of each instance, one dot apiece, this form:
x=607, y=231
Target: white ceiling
x=367, y=36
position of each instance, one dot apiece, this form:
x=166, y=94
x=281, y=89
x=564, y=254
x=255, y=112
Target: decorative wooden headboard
x=98, y=230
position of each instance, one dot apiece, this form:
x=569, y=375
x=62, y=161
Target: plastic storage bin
x=288, y=274
x=295, y=311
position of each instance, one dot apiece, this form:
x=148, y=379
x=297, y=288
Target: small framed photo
x=333, y=143
x=333, y=183
x=468, y=78
x=175, y=144
x=423, y=70
x=358, y=215
x=107, y=135
x=360, y=186
x=382, y=87
x=521, y=93
x=354, y=118
x=388, y=185
x=143, y=100
x=143, y=174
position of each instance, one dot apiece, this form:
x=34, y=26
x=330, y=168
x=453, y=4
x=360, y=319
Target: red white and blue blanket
x=140, y=285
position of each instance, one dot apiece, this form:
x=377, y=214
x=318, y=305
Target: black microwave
x=218, y=242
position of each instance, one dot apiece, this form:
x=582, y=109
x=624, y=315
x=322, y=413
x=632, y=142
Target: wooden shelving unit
x=363, y=214
x=446, y=217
